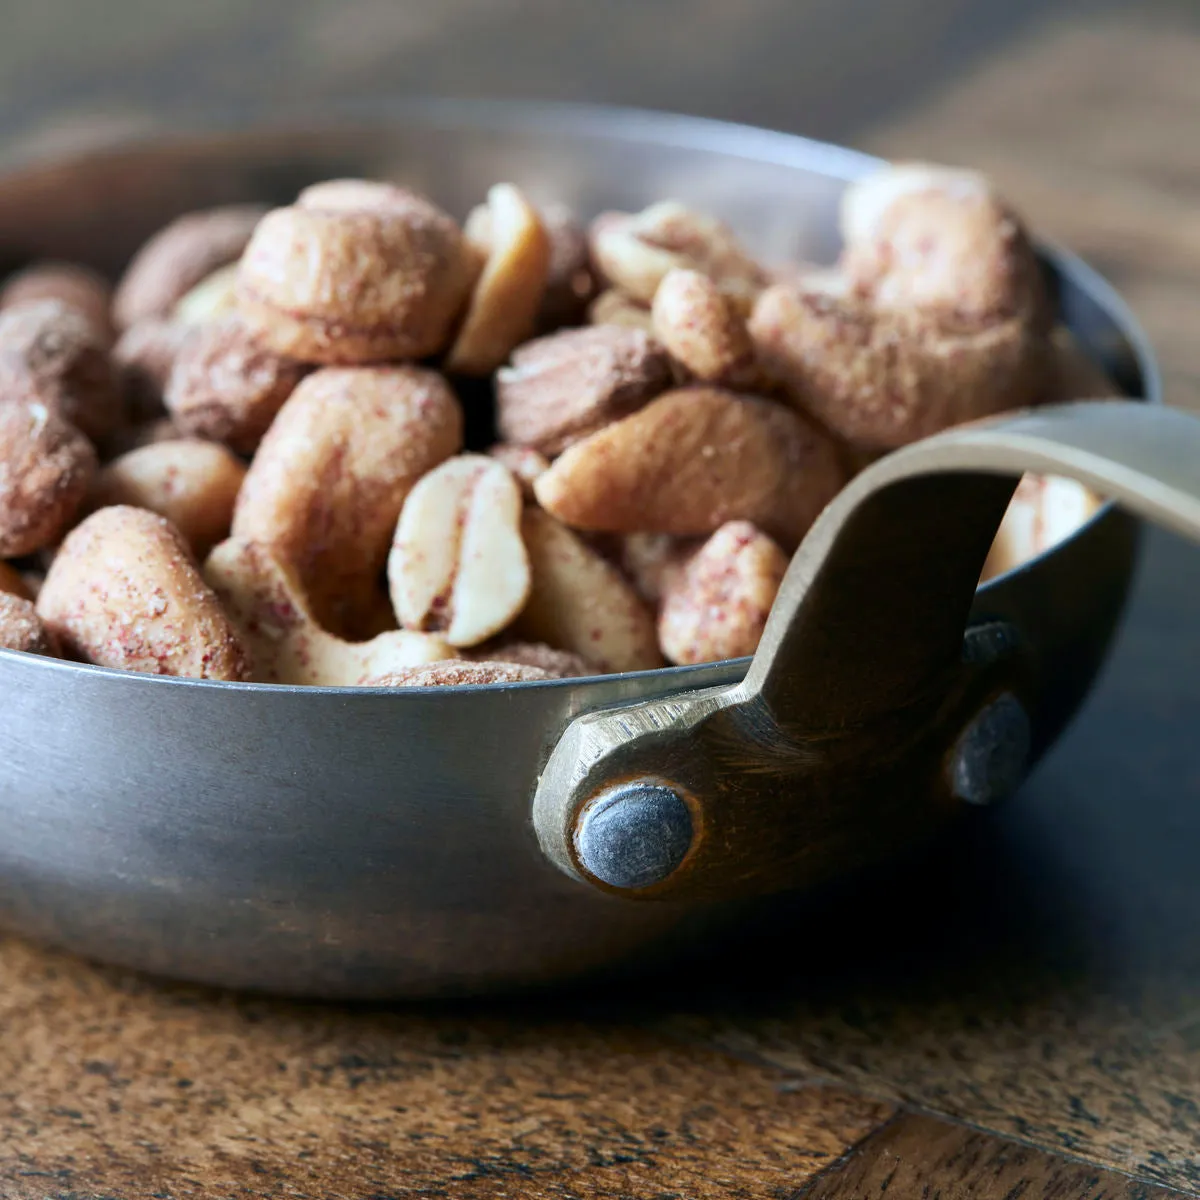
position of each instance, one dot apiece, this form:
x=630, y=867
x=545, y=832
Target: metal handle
x=861, y=723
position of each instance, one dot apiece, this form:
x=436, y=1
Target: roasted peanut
x=82, y=290
x=12, y=583
x=524, y=462
x=46, y=465
x=570, y=284
x=226, y=386
x=144, y=356
x=613, y=307
x=124, y=591
x=561, y=388
x=702, y=330
x=214, y=296
x=457, y=673
x=457, y=565
x=692, y=460
x=355, y=272
x=194, y=484
x=21, y=628
x=180, y=256
x=265, y=601
x=635, y=251
x=717, y=606
x=1045, y=510
x=503, y=308
x=51, y=351
x=578, y=601
x=326, y=487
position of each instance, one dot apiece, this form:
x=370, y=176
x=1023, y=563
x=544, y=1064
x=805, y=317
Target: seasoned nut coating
x=703, y=332
x=81, y=289
x=21, y=628
x=561, y=388
x=558, y=664
x=347, y=275
x=692, y=460
x=193, y=483
x=459, y=673
x=180, y=256
x=144, y=356
x=54, y=353
x=326, y=487
x=717, y=606
x=46, y=465
x=124, y=591
x=226, y=386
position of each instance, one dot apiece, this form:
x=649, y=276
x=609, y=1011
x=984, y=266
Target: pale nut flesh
x=565, y=386
x=327, y=282
x=717, y=606
x=578, y=601
x=265, y=602
x=691, y=460
x=46, y=466
x=457, y=564
x=21, y=628
x=193, y=483
x=330, y=477
x=703, y=331
x=1045, y=510
x=124, y=591
x=504, y=306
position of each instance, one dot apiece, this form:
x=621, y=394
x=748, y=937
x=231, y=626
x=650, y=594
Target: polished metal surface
x=377, y=844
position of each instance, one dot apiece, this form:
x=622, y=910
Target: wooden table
x=1022, y=1020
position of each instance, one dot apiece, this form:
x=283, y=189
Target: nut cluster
x=249, y=459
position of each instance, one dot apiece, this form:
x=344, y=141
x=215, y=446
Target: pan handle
x=865, y=719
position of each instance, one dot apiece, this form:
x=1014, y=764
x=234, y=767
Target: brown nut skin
x=54, y=353
x=46, y=466
x=21, y=628
x=144, y=356
x=881, y=378
x=503, y=308
x=692, y=460
x=81, y=289
x=570, y=283
x=193, y=483
x=717, y=606
x=580, y=602
x=459, y=673
x=562, y=388
x=331, y=475
x=227, y=387
x=326, y=282
x=703, y=331
x=12, y=583
x=125, y=592
x=613, y=307
x=180, y=256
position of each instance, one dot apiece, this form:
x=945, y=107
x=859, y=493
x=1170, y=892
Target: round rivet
x=989, y=759
x=634, y=834
x=990, y=641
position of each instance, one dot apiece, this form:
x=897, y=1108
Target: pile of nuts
x=247, y=461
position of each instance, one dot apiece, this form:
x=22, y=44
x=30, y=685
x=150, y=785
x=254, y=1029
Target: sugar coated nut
x=881, y=378
x=457, y=564
x=12, y=583
x=326, y=487
x=226, y=386
x=21, y=628
x=53, y=352
x=635, y=251
x=144, y=356
x=124, y=591
x=717, y=606
x=193, y=483
x=579, y=601
x=613, y=307
x=180, y=256
x=524, y=462
x=557, y=664
x=457, y=673
x=328, y=282
x=570, y=284
x=214, y=296
x=1045, y=510
x=692, y=460
x=503, y=308
x=266, y=603
x=46, y=466
x=702, y=330
x=561, y=388
x=651, y=561
x=81, y=289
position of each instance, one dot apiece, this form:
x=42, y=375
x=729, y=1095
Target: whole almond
x=702, y=330
x=692, y=460
x=457, y=564
x=561, y=388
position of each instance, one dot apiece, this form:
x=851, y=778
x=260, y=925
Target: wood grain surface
x=1037, y=978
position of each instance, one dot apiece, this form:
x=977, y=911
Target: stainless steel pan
x=362, y=843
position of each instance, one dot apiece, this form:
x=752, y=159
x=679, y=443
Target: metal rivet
x=989, y=759
x=634, y=835
x=990, y=641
